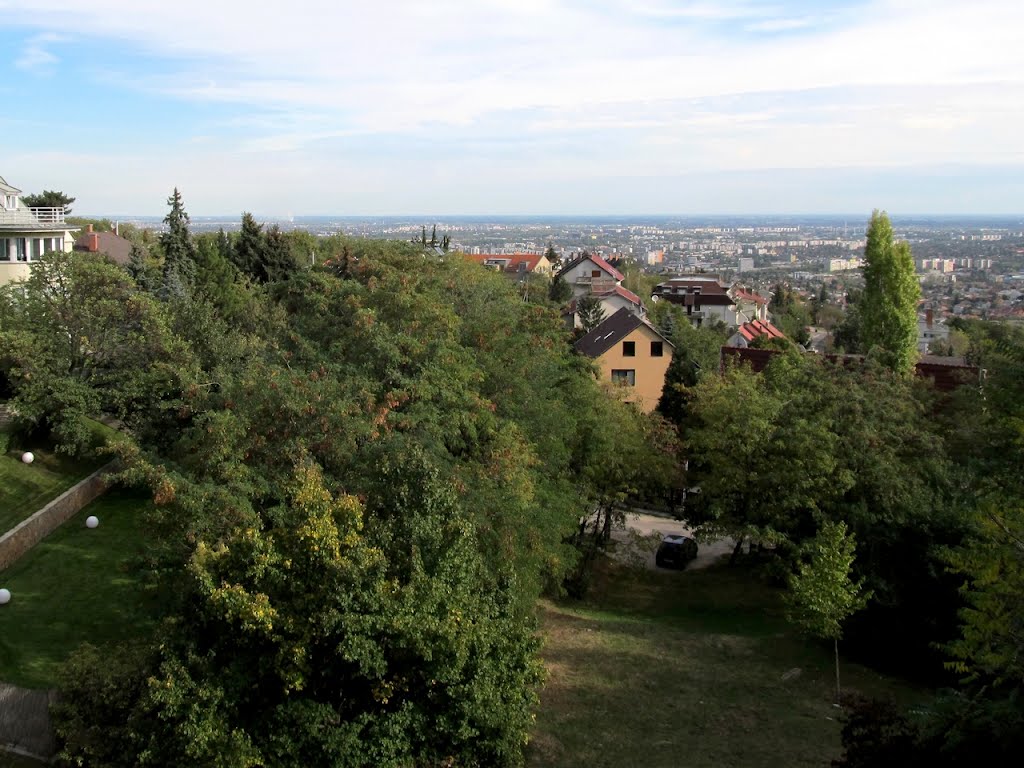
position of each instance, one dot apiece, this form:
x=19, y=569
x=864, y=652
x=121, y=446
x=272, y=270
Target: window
x=595, y=273
x=656, y=349
x=629, y=349
x=5, y=254
x=624, y=377
x=19, y=249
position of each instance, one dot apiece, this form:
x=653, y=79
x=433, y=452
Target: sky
x=330, y=107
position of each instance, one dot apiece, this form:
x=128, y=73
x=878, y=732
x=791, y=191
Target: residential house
x=705, y=299
x=611, y=302
x=590, y=275
x=929, y=332
x=514, y=264
x=631, y=353
x=756, y=329
x=27, y=233
x=113, y=246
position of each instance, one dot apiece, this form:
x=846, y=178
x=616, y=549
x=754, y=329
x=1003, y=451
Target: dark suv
x=675, y=551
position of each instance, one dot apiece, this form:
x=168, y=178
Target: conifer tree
x=179, y=252
x=248, y=253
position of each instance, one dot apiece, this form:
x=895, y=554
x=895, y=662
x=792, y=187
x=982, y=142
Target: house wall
x=14, y=270
x=650, y=371
x=610, y=305
x=582, y=280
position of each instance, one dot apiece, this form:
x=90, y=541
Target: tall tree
x=822, y=595
x=179, y=251
x=888, y=309
x=250, y=247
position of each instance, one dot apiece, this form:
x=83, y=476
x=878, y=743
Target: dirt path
x=645, y=531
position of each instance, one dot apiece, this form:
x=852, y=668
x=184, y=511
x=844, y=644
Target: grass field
x=75, y=586
x=24, y=488
x=693, y=668
x=8, y=760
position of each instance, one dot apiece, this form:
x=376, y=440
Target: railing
x=48, y=215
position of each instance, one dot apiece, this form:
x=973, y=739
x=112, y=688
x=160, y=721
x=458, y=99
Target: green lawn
x=24, y=488
x=8, y=760
x=75, y=586
x=687, y=669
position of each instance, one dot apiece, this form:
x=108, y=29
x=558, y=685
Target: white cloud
x=523, y=87
x=35, y=58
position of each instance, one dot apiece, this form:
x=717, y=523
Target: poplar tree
x=888, y=308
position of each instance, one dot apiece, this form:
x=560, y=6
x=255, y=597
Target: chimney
x=929, y=316
x=94, y=242
x=88, y=228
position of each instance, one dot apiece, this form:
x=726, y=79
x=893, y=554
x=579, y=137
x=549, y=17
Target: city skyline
x=518, y=108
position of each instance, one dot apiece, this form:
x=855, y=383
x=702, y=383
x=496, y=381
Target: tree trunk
x=736, y=552
x=835, y=642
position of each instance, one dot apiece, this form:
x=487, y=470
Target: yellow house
x=631, y=353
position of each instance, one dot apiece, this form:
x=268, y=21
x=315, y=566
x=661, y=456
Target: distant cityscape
x=970, y=266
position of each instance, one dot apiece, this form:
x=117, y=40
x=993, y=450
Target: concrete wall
x=22, y=537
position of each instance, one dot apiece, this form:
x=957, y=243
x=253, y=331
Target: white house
x=590, y=274
x=705, y=299
x=27, y=233
x=593, y=276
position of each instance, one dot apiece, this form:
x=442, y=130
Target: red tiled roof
x=743, y=293
x=607, y=267
x=752, y=330
x=623, y=292
x=510, y=261
x=604, y=265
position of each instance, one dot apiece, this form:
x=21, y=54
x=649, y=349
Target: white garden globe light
x=5, y=596
x=27, y=457
x=92, y=521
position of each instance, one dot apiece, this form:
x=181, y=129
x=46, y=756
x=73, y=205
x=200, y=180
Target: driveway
x=640, y=541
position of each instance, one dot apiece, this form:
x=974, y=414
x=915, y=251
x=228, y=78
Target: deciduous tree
x=888, y=309
x=822, y=595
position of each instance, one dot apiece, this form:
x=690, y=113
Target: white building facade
x=27, y=233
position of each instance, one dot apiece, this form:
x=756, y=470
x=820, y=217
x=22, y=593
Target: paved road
x=652, y=528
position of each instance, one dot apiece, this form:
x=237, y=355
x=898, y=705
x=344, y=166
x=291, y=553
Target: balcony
x=48, y=215
x=32, y=219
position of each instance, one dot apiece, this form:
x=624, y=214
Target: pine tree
x=590, y=311
x=888, y=309
x=248, y=253
x=179, y=251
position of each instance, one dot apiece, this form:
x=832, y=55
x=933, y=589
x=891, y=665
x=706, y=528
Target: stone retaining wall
x=26, y=534
x=25, y=726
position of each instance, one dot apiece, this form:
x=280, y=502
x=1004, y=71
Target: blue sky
x=516, y=106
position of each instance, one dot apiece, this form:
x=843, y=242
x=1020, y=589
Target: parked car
x=675, y=551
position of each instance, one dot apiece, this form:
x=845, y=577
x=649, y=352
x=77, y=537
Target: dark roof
x=114, y=246
x=696, y=299
x=611, y=332
x=947, y=373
